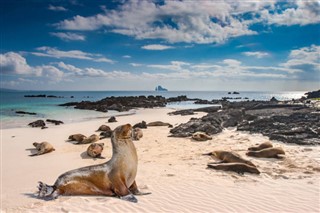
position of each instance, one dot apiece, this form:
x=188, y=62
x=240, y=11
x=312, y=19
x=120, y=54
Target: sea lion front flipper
x=130, y=198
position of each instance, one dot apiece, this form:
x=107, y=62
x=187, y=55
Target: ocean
x=47, y=108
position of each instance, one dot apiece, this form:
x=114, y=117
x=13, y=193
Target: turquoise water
x=47, y=108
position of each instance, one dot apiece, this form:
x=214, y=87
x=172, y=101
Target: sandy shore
x=173, y=169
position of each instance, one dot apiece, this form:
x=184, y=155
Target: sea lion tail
x=46, y=190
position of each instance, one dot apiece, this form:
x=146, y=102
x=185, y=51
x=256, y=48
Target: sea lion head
x=35, y=144
x=123, y=132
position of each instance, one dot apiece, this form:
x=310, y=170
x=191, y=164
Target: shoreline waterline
x=47, y=108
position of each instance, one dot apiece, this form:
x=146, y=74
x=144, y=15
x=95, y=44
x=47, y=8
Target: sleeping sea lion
x=159, y=123
x=104, y=128
x=235, y=167
x=137, y=134
x=116, y=177
x=95, y=150
x=90, y=139
x=77, y=137
x=229, y=157
x=267, y=153
x=261, y=146
x=42, y=148
x=201, y=136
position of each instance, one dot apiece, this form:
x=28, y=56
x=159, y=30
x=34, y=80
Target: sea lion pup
x=104, y=128
x=201, y=136
x=228, y=157
x=159, y=123
x=267, y=153
x=240, y=168
x=42, y=148
x=77, y=137
x=90, y=139
x=116, y=177
x=261, y=146
x=95, y=150
x=137, y=134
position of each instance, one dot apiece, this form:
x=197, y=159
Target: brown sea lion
x=159, y=123
x=261, y=146
x=116, y=177
x=95, y=150
x=105, y=134
x=77, y=137
x=90, y=139
x=229, y=157
x=42, y=148
x=267, y=153
x=104, y=128
x=137, y=134
x=112, y=119
x=235, y=167
x=201, y=136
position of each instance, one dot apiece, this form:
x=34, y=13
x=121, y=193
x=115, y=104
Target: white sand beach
x=172, y=169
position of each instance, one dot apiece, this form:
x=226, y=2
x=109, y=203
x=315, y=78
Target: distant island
x=160, y=88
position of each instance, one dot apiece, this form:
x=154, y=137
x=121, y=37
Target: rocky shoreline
x=294, y=121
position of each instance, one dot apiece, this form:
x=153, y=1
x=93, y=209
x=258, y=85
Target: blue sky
x=181, y=45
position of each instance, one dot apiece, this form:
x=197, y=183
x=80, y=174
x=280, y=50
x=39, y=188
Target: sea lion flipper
x=130, y=198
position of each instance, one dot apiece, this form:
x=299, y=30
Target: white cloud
x=306, y=60
x=256, y=54
x=173, y=21
x=12, y=62
x=69, y=36
x=136, y=64
x=57, y=8
x=77, y=54
x=300, y=13
x=126, y=56
x=156, y=47
x=195, y=21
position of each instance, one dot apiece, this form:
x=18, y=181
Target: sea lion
x=105, y=134
x=261, y=146
x=116, y=177
x=77, y=137
x=267, y=153
x=201, y=136
x=112, y=119
x=141, y=125
x=235, y=167
x=159, y=123
x=95, y=150
x=104, y=128
x=42, y=148
x=137, y=134
x=229, y=157
x=90, y=139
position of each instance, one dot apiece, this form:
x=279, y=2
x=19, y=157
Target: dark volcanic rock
x=191, y=111
x=120, y=104
x=212, y=123
x=37, y=123
x=35, y=96
x=27, y=113
x=299, y=128
x=313, y=94
x=56, y=122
